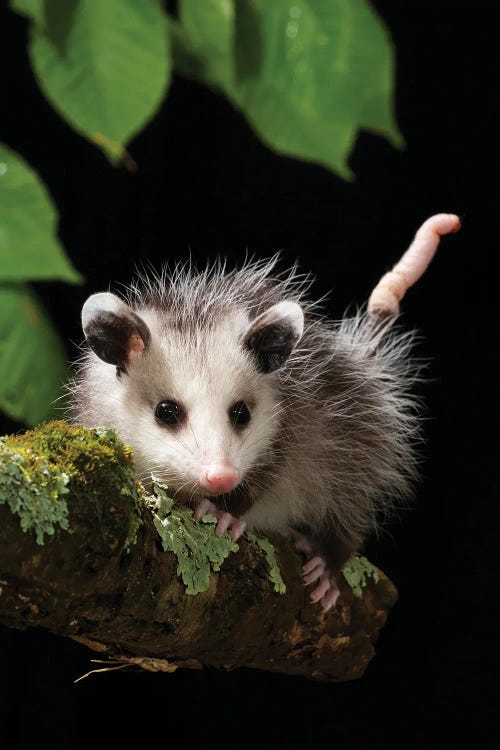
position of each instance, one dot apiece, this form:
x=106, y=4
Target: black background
x=205, y=183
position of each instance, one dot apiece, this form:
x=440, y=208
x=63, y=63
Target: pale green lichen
x=357, y=570
x=196, y=546
x=33, y=490
x=274, y=570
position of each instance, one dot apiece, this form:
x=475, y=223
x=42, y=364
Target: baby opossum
x=234, y=390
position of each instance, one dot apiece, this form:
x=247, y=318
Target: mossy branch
x=86, y=553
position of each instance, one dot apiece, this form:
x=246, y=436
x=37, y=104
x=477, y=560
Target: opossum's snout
x=218, y=478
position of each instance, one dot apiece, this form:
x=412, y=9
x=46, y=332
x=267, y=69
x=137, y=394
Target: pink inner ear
x=135, y=346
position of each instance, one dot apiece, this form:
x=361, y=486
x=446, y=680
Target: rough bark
x=94, y=583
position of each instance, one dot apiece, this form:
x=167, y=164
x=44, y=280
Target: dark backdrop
x=205, y=183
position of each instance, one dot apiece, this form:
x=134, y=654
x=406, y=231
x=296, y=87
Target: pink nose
x=219, y=478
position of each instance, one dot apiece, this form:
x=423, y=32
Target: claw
x=204, y=508
x=330, y=598
x=223, y=523
x=237, y=529
x=321, y=588
x=314, y=562
x=314, y=575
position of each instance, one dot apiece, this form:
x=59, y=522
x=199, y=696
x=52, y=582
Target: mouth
x=195, y=493
x=187, y=491
x=205, y=492
x=236, y=502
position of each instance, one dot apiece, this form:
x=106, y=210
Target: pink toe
x=202, y=509
x=223, y=523
x=237, y=529
x=330, y=598
x=314, y=562
x=314, y=575
x=321, y=588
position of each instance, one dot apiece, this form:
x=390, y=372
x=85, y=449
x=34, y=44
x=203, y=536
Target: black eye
x=239, y=414
x=168, y=413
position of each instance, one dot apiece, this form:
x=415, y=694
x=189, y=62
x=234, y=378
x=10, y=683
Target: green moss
x=79, y=450
x=196, y=546
x=274, y=571
x=39, y=467
x=357, y=570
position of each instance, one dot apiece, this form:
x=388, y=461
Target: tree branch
x=81, y=555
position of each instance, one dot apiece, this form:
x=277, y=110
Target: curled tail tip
x=441, y=224
x=392, y=287
x=457, y=224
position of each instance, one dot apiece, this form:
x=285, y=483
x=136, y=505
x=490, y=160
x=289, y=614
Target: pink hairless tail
x=393, y=286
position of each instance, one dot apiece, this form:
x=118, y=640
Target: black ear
x=114, y=331
x=274, y=334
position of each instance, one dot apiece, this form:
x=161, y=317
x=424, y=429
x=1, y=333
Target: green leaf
x=206, y=33
x=34, y=9
x=307, y=74
x=103, y=65
x=29, y=248
x=375, y=69
x=32, y=361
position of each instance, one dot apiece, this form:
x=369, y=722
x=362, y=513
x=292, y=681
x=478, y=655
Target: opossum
x=237, y=392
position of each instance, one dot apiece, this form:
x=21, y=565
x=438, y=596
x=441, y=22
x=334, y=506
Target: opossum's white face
x=198, y=406
x=201, y=414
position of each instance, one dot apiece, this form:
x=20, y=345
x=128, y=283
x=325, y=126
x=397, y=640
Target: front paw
x=225, y=521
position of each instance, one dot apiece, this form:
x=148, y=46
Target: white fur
x=101, y=302
x=287, y=312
